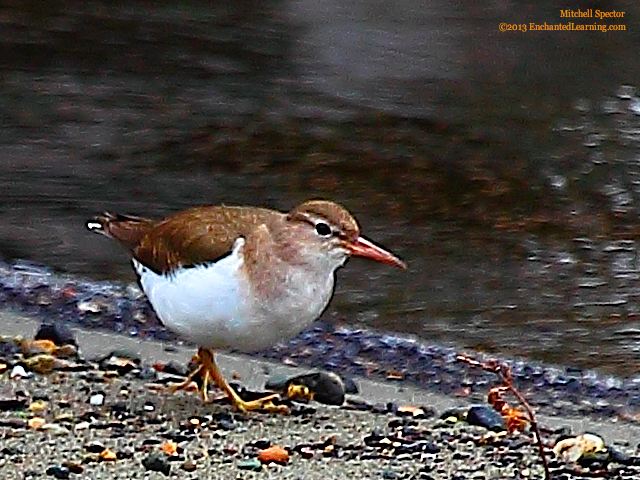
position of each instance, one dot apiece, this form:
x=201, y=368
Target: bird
x=240, y=278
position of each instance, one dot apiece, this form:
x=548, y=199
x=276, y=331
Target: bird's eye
x=323, y=229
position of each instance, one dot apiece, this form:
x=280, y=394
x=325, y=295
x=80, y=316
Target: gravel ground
x=114, y=307
x=106, y=419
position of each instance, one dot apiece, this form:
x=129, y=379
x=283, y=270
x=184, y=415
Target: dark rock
x=74, y=467
x=7, y=404
x=323, y=387
x=157, y=462
x=227, y=424
x=13, y=423
x=59, y=471
x=260, y=444
x=11, y=451
x=459, y=413
x=147, y=374
x=617, y=456
x=57, y=332
x=94, y=447
x=358, y=404
x=486, y=417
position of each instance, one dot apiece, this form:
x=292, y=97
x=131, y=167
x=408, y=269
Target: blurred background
x=503, y=166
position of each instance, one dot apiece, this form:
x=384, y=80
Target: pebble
x=157, y=462
x=59, y=471
x=323, y=387
x=20, y=372
x=97, y=399
x=275, y=454
x=94, y=447
x=16, y=403
x=487, y=417
x=58, y=333
x=250, y=464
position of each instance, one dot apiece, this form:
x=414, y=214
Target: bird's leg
x=199, y=370
x=211, y=370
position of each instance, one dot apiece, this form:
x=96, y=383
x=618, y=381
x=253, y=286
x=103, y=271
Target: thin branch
x=504, y=374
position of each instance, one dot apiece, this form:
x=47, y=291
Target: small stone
x=44, y=363
x=58, y=333
x=250, y=464
x=189, y=466
x=357, y=403
x=97, y=399
x=411, y=411
x=120, y=364
x=38, y=406
x=7, y=404
x=306, y=452
x=275, y=454
x=94, y=447
x=58, y=471
x=147, y=373
x=572, y=449
x=486, y=417
x=169, y=448
x=74, y=467
x=227, y=424
x=323, y=387
x=11, y=451
x=157, y=462
x=19, y=372
x=36, y=347
x=36, y=423
x=107, y=455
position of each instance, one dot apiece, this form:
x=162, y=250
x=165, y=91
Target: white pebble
x=19, y=372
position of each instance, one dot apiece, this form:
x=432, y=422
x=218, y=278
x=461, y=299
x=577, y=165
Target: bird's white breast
x=214, y=306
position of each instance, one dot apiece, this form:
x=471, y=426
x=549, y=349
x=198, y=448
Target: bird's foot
x=189, y=384
x=208, y=371
x=264, y=404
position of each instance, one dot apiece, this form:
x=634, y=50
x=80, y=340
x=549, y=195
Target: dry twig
x=496, y=398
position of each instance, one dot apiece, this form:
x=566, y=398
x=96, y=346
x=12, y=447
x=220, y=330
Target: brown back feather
x=204, y=234
x=192, y=237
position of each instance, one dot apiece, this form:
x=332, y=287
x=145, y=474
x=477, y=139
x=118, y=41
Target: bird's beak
x=362, y=247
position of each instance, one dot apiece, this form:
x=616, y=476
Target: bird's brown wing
x=197, y=236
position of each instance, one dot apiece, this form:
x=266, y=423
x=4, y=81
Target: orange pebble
x=108, y=455
x=275, y=454
x=169, y=447
x=36, y=423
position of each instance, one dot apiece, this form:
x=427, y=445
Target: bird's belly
x=210, y=305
